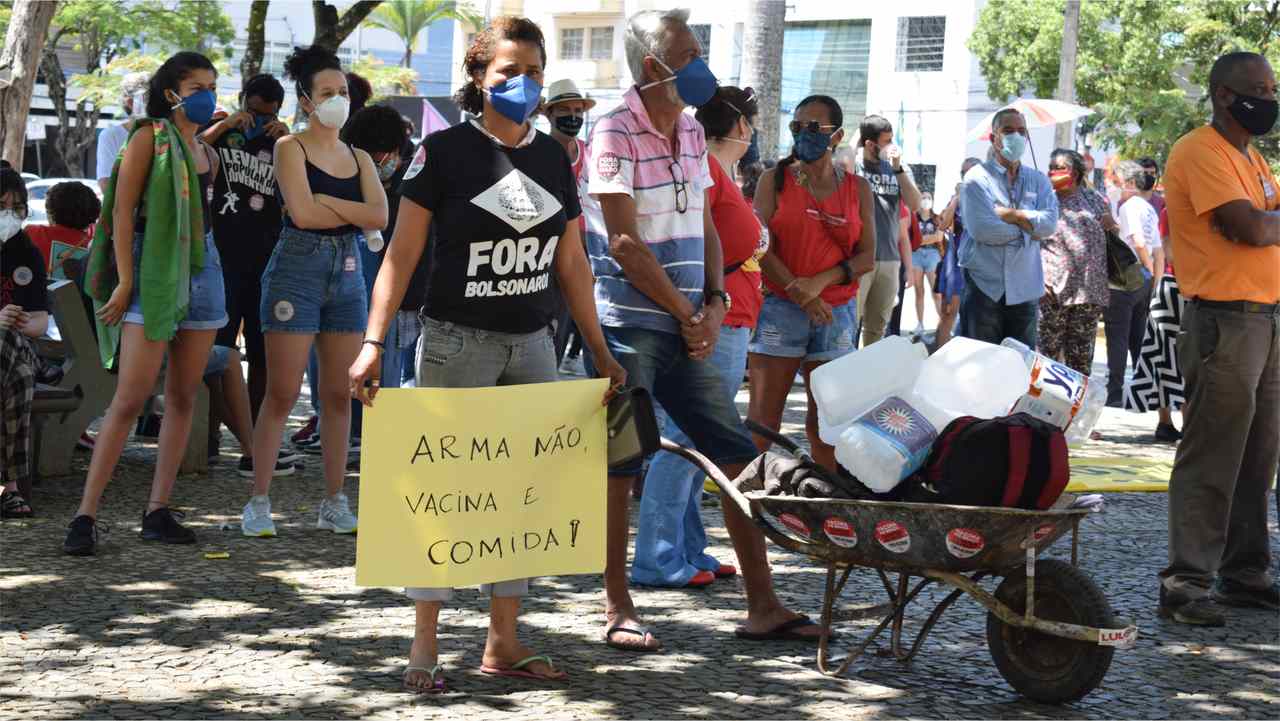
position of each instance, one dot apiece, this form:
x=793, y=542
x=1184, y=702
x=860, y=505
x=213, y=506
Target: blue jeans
x=692, y=392
x=670, y=541
x=992, y=320
x=392, y=358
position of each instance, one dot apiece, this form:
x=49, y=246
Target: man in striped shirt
x=660, y=297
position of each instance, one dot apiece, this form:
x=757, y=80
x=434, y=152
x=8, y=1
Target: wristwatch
x=728, y=302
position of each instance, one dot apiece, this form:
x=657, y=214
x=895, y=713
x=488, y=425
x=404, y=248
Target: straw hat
x=565, y=90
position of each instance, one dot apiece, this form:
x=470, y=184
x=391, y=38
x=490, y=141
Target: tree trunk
x=28, y=26
x=1067, y=69
x=331, y=29
x=408, y=56
x=255, y=46
x=762, y=68
x=75, y=134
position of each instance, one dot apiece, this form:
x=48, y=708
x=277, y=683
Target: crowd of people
x=678, y=263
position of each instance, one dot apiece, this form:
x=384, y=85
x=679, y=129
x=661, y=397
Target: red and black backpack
x=1018, y=461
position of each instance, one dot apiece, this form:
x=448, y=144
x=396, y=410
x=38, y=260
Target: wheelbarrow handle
x=787, y=444
x=713, y=472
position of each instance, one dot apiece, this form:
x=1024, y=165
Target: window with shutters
x=602, y=43
x=920, y=44
x=703, y=33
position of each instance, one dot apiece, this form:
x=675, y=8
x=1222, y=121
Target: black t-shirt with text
x=23, y=281
x=498, y=213
x=245, y=209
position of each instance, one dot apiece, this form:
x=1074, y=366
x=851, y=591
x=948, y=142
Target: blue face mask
x=516, y=99
x=1014, y=146
x=199, y=106
x=811, y=145
x=258, y=127
x=695, y=83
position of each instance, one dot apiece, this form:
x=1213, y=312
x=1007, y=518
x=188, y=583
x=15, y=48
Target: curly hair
x=73, y=205
x=303, y=63
x=483, y=49
x=376, y=129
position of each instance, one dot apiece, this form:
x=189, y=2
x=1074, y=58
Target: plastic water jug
x=891, y=441
x=1059, y=394
x=848, y=387
x=968, y=377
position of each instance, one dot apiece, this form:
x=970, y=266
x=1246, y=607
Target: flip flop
x=726, y=571
x=516, y=670
x=640, y=631
x=784, y=632
x=435, y=674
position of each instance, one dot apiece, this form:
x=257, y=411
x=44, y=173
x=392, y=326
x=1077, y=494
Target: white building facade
x=906, y=61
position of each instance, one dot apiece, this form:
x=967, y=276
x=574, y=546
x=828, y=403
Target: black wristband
x=371, y=341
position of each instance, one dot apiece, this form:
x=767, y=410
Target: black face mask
x=1256, y=115
x=569, y=124
x=1145, y=182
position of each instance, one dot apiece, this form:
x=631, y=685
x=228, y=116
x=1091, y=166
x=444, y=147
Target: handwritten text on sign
x=467, y=486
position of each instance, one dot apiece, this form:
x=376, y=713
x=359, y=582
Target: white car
x=38, y=189
x=29, y=178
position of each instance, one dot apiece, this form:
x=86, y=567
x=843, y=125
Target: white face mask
x=332, y=113
x=10, y=224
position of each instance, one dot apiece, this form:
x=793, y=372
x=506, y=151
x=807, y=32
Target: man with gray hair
x=1126, y=315
x=661, y=300
x=133, y=99
x=1007, y=209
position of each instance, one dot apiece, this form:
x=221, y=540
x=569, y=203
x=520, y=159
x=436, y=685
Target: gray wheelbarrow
x=1050, y=629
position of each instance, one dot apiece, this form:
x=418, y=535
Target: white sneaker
x=256, y=521
x=335, y=515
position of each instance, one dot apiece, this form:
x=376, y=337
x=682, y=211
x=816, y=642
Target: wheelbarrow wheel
x=1045, y=668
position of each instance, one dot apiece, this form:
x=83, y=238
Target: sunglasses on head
x=812, y=126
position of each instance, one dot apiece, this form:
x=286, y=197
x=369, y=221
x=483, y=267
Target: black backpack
x=1018, y=461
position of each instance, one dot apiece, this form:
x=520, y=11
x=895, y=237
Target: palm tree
x=408, y=18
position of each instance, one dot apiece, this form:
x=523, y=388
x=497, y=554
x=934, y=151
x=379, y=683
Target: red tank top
x=810, y=237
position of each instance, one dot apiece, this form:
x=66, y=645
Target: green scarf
x=172, y=246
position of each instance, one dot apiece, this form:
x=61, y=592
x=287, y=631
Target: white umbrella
x=1039, y=113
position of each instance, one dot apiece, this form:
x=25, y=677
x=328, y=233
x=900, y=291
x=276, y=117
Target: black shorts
x=244, y=298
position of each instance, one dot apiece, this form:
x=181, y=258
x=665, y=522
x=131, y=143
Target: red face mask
x=1061, y=179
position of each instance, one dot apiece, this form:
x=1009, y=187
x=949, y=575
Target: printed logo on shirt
x=349, y=265
x=608, y=165
x=22, y=275
x=518, y=201
x=510, y=257
x=416, y=165
x=257, y=202
x=248, y=169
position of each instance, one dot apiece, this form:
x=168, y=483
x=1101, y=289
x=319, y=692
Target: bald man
x=1225, y=232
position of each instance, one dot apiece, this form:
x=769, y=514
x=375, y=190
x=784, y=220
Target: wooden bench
x=61, y=412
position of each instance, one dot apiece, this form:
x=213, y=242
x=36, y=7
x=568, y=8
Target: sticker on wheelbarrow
x=1118, y=637
x=893, y=536
x=840, y=532
x=965, y=542
x=1043, y=532
x=794, y=524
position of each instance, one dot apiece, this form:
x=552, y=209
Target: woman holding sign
x=503, y=248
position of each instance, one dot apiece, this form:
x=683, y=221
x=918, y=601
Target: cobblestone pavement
x=280, y=630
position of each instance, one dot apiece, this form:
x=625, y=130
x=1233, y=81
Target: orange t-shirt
x=1205, y=172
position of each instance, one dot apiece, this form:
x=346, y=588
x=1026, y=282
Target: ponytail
x=780, y=172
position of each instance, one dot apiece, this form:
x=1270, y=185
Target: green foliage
x=1142, y=64
x=386, y=79
x=408, y=18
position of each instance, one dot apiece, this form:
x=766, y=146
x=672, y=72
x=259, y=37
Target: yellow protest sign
x=463, y=486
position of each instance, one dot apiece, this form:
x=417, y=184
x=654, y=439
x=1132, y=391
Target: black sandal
x=13, y=505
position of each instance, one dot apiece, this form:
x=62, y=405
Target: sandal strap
x=526, y=661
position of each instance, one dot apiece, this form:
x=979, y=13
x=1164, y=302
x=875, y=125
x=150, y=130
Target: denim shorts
x=313, y=284
x=691, y=392
x=457, y=356
x=207, y=305
x=785, y=331
x=926, y=258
